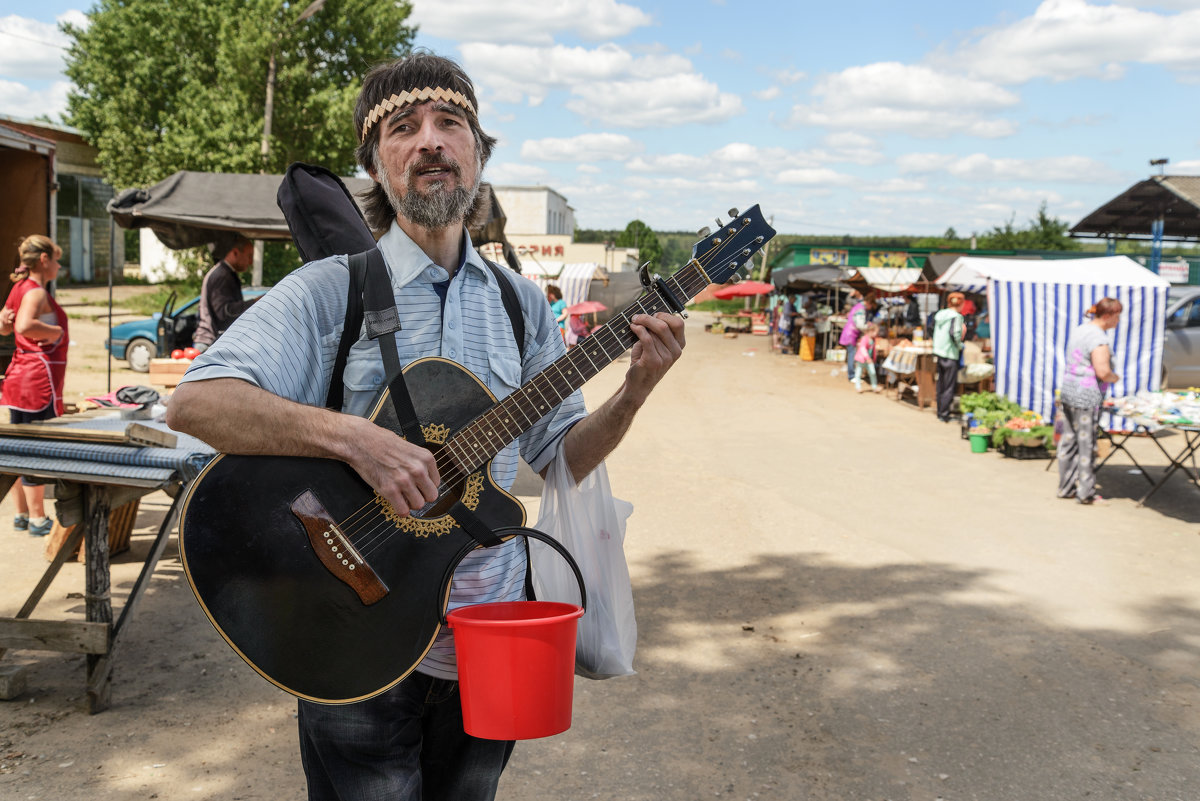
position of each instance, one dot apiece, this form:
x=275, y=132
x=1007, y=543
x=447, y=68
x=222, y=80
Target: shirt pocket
x=504, y=374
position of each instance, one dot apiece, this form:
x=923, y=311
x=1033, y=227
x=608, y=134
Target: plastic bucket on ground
x=516, y=667
x=979, y=443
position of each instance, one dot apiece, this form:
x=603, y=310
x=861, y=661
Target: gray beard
x=440, y=208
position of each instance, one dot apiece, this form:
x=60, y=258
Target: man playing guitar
x=260, y=389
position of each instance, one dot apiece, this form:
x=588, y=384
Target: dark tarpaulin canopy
x=192, y=209
x=807, y=276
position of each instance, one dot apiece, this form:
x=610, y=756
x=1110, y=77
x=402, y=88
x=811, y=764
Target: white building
x=541, y=227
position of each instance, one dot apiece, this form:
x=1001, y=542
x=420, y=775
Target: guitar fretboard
x=478, y=441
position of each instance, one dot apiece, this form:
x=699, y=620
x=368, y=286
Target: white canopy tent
x=573, y=279
x=1034, y=305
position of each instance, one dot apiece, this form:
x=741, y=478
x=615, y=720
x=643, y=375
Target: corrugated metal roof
x=1174, y=198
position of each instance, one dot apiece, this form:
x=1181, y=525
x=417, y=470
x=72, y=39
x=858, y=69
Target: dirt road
x=836, y=600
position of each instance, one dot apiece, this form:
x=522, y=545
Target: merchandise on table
x=1157, y=409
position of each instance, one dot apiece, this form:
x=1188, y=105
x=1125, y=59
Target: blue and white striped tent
x=1035, y=305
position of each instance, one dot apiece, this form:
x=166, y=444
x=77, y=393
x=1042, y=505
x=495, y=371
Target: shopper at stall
x=856, y=322
x=948, y=329
x=1086, y=376
x=864, y=358
x=33, y=382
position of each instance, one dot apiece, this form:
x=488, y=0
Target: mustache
x=434, y=160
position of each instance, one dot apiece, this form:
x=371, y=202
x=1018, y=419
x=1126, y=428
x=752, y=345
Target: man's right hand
x=404, y=474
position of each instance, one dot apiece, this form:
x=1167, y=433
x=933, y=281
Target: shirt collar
x=406, y=260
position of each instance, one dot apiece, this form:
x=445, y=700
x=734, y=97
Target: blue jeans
x=406, y=744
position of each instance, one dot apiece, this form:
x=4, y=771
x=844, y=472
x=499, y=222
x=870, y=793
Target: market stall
x=1150, y=413
x=97, y=465
x=1034, y=307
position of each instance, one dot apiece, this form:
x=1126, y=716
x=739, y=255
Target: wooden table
x=88, y=485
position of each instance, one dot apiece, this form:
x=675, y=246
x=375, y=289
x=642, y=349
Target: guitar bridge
x=336, y=552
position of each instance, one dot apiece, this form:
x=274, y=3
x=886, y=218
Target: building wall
x=550, y=247
x=535, y=210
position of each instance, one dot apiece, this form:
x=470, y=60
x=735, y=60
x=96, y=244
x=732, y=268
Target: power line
x=32, y=39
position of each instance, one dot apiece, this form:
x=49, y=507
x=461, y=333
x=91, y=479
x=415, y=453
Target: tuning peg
x=733, y=213
x=704, y=232
x=717, y=220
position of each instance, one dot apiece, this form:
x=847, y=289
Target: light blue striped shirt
x=287, y=342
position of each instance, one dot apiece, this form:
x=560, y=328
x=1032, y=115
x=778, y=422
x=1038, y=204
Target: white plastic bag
x=590, y=523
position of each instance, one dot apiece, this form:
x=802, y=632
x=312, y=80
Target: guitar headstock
x=723, y=252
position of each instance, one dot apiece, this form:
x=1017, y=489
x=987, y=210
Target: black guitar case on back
x=321, y=213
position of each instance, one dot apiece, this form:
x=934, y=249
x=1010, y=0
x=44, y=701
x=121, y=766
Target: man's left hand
x=660, y=344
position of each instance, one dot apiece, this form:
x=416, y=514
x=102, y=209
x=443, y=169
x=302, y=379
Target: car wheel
x=138, y=353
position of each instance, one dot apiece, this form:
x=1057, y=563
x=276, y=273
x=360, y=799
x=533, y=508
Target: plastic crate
x=1026, y=451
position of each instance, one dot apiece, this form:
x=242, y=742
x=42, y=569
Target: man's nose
x=429, y=139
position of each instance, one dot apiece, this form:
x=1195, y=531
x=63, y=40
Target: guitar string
x=376, y=520
x=366, y=544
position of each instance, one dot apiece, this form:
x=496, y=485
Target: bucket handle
x=522, y=531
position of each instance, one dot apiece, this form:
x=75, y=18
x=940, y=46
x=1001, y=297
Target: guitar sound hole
x=442, y=505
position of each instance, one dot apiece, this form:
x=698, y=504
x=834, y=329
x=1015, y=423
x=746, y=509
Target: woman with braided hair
x=33, y=382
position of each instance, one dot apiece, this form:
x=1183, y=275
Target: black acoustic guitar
x=314, y=579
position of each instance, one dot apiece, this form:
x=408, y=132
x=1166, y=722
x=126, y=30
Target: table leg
x=1191, y=443
x=98, y=597
x=1120, y=446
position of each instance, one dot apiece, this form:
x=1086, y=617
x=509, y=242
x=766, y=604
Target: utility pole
x=268, y=113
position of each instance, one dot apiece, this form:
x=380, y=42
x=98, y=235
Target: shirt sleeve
x=543, y=346
x=286, y=342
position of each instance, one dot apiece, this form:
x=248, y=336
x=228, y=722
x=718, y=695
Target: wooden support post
x=98, y=599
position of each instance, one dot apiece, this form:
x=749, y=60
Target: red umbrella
x=742, y=290
x=586, y=307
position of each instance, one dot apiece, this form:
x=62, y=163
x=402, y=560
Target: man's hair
x=224, y=242
x=418, y=70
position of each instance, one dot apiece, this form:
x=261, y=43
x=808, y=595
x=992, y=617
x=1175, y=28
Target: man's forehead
x=385, y=108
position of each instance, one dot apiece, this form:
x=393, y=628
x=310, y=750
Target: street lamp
x=268, y=113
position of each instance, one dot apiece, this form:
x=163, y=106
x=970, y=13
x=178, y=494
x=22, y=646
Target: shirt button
x=377, y=379
x=452, y=352
x=451, y=326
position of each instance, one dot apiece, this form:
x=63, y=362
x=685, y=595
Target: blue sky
x=848, y=117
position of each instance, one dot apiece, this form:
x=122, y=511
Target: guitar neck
x=478, y=441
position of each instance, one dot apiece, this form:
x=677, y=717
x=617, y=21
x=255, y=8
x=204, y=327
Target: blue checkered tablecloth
x=184, y=461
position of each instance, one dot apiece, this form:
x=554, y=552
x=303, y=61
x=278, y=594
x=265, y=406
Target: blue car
x=139, y=341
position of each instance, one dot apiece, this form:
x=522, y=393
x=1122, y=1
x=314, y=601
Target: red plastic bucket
x=516, y=667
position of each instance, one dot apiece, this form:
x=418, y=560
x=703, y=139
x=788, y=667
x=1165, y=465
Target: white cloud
x=31, y=50
x=607, y=83
x=525, y=22
x=585, y=147
x=814, y=176
x=1184, y=167
x=589, y=169
x=770, y=93
x=899, y=185
x=736, y=160
x=979, y=167
x=1066, y=39
x=655, y=103
x=789, y=76
x=516, y=174
x=921, y=101
x=19, y=100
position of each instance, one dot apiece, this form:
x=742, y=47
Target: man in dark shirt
x=221, y=293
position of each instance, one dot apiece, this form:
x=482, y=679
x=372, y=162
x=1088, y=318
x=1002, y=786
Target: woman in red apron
x=33, y=382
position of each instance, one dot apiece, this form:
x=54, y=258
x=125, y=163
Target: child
x=864, y=358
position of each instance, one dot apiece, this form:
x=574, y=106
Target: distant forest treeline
x=1042, y=232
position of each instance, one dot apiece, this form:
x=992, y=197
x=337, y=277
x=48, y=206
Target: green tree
x=1044, y=233
x=638, y=235
x=166, y=86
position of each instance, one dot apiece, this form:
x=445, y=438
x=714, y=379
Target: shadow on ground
x=820, y=681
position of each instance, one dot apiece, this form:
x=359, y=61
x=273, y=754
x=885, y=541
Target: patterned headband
x=419, y=96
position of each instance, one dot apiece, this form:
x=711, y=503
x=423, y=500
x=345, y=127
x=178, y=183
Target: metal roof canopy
x=1174, y=198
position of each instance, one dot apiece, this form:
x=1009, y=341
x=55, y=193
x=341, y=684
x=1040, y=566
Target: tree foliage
x=1044, y=233
x=639, y=235
x=181, y=85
